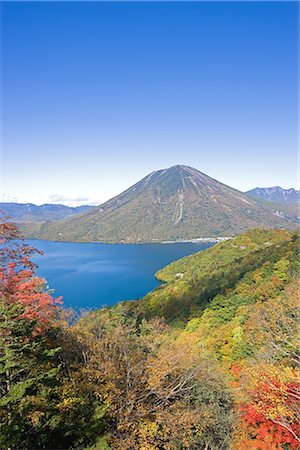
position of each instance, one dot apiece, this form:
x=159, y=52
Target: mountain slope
x=275, y=194
x=28, y=212
x=190, y=283
x=170, y=204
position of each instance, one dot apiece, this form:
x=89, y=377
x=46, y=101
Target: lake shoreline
x=178, y=241
x=93, y=275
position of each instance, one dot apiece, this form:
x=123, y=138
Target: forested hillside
x=29, y=213
x=206, y=361
x=194, y=281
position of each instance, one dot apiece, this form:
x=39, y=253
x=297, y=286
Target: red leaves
x=261, y=433
x=236, y=370
x=8, y=231
x=18, y=283
x=38, y=305
x=269, y=419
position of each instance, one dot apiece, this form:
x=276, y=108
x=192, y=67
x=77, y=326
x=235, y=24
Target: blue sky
x=97, y=95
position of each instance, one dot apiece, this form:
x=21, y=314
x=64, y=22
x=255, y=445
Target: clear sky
x=97, y=95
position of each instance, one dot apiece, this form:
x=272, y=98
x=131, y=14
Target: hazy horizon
x=97, y=95
x=54, y=199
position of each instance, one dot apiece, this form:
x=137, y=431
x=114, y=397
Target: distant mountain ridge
x=169, y=204
x=275, y=194
x=28, y=212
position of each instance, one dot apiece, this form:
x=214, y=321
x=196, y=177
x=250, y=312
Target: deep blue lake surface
x=92, y=275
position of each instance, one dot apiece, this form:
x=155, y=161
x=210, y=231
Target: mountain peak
x=181, y=168
x=179, y=202
x=183, y=172
x=275, y=194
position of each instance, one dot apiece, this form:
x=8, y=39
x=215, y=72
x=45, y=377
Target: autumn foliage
x=18, y=283
x=268, y=419
x=208, y=361
x=259, y=433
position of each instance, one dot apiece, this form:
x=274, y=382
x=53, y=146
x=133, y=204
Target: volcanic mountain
x=169, y=204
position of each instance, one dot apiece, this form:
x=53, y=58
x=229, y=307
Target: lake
x=93, y=275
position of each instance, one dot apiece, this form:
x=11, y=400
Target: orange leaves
x=259, y=433
x=28, y=292
x=8, y=231
x=272, y=326
x=161, y=391
x=267, y=388
x=269, y=415
x=272, y=393
x=38, y=305
x=19, y=285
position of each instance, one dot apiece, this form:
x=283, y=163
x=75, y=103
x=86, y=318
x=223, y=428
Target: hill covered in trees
x=28, y=212
x=169, y=204
x=206, y=361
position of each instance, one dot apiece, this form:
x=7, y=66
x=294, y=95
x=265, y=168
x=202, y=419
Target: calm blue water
x=95, y=275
